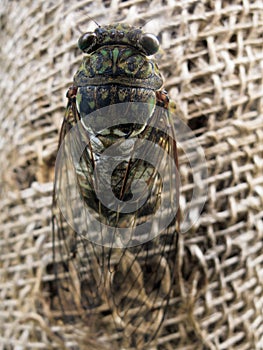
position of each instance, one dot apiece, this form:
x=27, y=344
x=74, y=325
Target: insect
x=116, y=191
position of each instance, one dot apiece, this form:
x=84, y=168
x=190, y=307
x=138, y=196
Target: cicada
x=116, y=190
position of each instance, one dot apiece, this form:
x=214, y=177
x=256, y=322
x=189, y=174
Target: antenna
x=144, y=24
x=92, y=19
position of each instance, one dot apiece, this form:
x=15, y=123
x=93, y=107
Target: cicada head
x=119, y=34
x=119, y=54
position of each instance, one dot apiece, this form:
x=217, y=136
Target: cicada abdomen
x=116, y=186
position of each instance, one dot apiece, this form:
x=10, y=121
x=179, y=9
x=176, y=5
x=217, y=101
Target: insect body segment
x=116, y=185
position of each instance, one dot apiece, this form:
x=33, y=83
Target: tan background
x=212, y=60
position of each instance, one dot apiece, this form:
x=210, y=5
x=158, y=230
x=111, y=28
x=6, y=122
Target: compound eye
x=150, y=43
x=87, y=41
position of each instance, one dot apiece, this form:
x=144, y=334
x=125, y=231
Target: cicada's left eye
x=150, y=43
x=86, y=41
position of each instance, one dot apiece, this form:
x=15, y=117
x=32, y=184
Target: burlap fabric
x=212, y=61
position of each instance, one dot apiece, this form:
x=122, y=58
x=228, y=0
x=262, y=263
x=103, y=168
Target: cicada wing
x=140, y=277
x=134, y=281
x=76, y=269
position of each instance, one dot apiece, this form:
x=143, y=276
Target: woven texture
x=212, y=61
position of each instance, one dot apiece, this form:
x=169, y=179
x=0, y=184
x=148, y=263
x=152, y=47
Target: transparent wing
x=132, y=281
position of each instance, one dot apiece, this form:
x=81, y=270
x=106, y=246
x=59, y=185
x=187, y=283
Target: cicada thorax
x=116, y=98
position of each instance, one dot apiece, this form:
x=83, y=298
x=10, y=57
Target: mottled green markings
x=78, y=99
x=115, y=54
x=94, y=98
x=120, y=65
x=115, y=70
x=92, y=104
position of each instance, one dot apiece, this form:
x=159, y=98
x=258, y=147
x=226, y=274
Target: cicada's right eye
x=87, y=41
x=150, y=43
